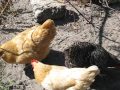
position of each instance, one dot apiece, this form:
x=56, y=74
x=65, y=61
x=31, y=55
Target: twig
x=110, y=39
x=80, y=13
x=4, y=7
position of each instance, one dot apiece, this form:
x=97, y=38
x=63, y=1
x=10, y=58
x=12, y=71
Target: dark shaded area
x=108, y=81
x=96, y=2
x=29, y=71
x=54, y=58
x=69, y=16
x=115, y=6
x=50, y=13
x=7, y=30
x=102, y=26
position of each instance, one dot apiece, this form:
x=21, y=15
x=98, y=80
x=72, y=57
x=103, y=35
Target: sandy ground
x=73, y=27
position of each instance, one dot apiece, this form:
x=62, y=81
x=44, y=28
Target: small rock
x=47, y=9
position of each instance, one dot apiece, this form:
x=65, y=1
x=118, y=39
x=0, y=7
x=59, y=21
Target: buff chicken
x=31, y=43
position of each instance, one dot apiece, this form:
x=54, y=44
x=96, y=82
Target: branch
x=80, y=13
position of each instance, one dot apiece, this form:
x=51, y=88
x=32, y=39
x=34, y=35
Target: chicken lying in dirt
x=85, y=54
x=31, y=43
x=53, y=77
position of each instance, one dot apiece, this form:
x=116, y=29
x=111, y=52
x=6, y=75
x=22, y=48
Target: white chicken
x=53, y=77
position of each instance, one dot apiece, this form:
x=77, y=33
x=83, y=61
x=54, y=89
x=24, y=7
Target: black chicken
x=84, y=54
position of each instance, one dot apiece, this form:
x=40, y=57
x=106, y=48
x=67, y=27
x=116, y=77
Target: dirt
x=73, y=27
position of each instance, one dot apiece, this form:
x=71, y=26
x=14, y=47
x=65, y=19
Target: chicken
x=53, y=77
x=31, y=43
x=84, y=54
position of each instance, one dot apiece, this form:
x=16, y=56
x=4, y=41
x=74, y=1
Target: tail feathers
x=94, y=69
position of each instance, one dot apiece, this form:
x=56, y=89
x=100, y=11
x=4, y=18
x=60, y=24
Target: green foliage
x=5, y=86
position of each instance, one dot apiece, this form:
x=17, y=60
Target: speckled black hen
x=84, y=54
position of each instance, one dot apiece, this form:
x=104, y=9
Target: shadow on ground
x=115, y=6
x=69, y=16
x=109, y=81
x=29, y=71
x=101, y=30
x=54, y=58
x=7, y=30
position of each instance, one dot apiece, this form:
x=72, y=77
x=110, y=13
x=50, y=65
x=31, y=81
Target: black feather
x=84, y=54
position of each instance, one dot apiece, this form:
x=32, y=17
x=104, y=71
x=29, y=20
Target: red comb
x=34, y=60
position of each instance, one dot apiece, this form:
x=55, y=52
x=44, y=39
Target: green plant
x=5, y=86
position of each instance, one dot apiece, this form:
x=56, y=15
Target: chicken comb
x=34, y=60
